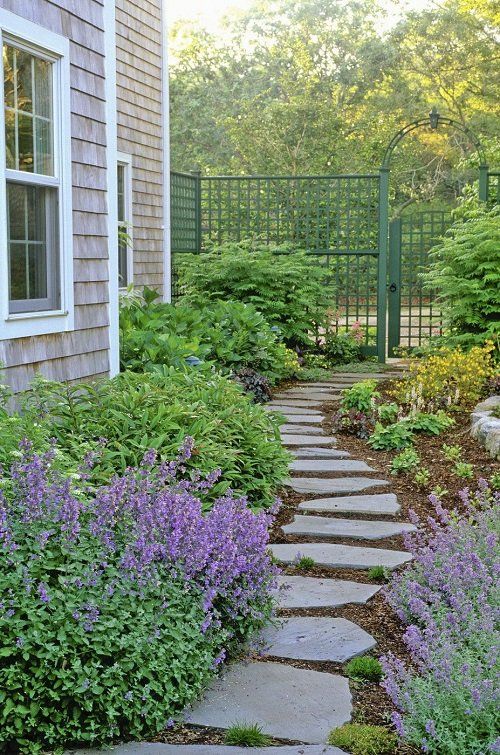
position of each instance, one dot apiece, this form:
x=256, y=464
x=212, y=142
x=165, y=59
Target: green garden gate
x=373, y=267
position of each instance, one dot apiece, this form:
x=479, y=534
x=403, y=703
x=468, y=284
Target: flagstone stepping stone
x=317, y=638
x=295, y=428
x=378, y=503
x=327, y=465
x=287, y=409
x=311, y=592
x=313, y=452
x=339, y=556
x=304, y=419
x=310, y=395
x=158, y=748
x=286, y=702
x=323, y=526
x=333, y=485
x=307, y=440
x=299, y=403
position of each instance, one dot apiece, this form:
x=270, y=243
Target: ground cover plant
x=230, y=336
x=448, y=699
x=124, y=417
x=285, y=286
x=119, y=604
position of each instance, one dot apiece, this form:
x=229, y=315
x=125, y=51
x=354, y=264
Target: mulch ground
x=371, y=704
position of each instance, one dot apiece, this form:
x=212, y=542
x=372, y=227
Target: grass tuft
x=305, y=562
x=246, y=735
x=365, y=669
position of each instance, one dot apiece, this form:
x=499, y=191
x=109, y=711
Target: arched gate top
x=433, y=120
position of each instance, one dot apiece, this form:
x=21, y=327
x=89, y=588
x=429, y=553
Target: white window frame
x=125, y=161
x=40, y=41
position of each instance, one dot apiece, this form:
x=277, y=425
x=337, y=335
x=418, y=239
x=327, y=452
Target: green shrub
x=405, y=461
x=360, y=396
x=231, y=335
x=246, y=735
x=341, y=348
x=433, y=424
x=387, y=412
x=365, y=669
x=286, y=287
x=362, y=739
x=391, y=438
x=136, y=412
x=465, y=272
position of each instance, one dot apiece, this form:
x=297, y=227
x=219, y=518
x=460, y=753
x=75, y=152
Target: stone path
x=289, y=702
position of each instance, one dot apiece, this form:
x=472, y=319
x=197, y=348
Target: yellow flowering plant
x=448, y=378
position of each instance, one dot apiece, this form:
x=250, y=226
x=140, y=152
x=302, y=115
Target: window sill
x=32, y=324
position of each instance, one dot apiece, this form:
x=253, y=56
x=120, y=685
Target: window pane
x=25, y=142
x=43, y=88
x=10, y=138
x=24, y=81
x=33, y=247
x=8, y=74
x=28, y=111
x=121, y=193
x=122, y=260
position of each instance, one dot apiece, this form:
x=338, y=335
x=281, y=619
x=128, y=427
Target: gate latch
x=393, y=288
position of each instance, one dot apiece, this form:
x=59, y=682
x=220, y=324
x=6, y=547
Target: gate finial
x=434, y=117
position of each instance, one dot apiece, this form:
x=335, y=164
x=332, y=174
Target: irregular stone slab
x=294, y=428
x=378, y=503
x=323, y=397
x=317, y=638
x=299, y=403
x=313, y=592
x=313, y=452
x=289, y=409
x=304, y=419
x=339, y=556
x=334, y=485
x=157, y=748
x=327, y=465
x=307, y=440
x=323, y=526
x=287, y=702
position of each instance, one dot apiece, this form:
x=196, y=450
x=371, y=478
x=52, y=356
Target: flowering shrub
x=117, y=607
x=449, y=378
x=449, y=701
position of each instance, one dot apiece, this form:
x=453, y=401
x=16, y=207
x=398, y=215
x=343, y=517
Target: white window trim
x=42, y=41
x=126, y=161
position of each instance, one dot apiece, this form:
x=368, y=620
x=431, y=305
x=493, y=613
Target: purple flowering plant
x=448, y=699
x=118, y=604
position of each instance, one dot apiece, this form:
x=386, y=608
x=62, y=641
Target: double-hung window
x=125, y=243
x=36, y=244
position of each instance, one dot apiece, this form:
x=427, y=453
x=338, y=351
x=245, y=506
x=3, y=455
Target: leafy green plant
x=466, y=274
x=246, y=735
x=405, y=461
x=230, y=335
x=391, y=437
x=452, y=453
x=495, y=481
x=285, y=286
x=136, y=412
x=363, y=739
x=377, y=574
x=439, y=492
x=364, y=668
x=387, y=413
x=341, y=348
x=433, y=424
x=360, y=396
x=464, y=470
x=422, y=477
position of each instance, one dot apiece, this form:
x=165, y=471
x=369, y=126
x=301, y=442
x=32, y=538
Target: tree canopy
x=320, y=86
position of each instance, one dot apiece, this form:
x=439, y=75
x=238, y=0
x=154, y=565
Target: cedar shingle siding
x=84, y=352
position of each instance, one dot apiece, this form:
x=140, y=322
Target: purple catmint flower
x=43, y=592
